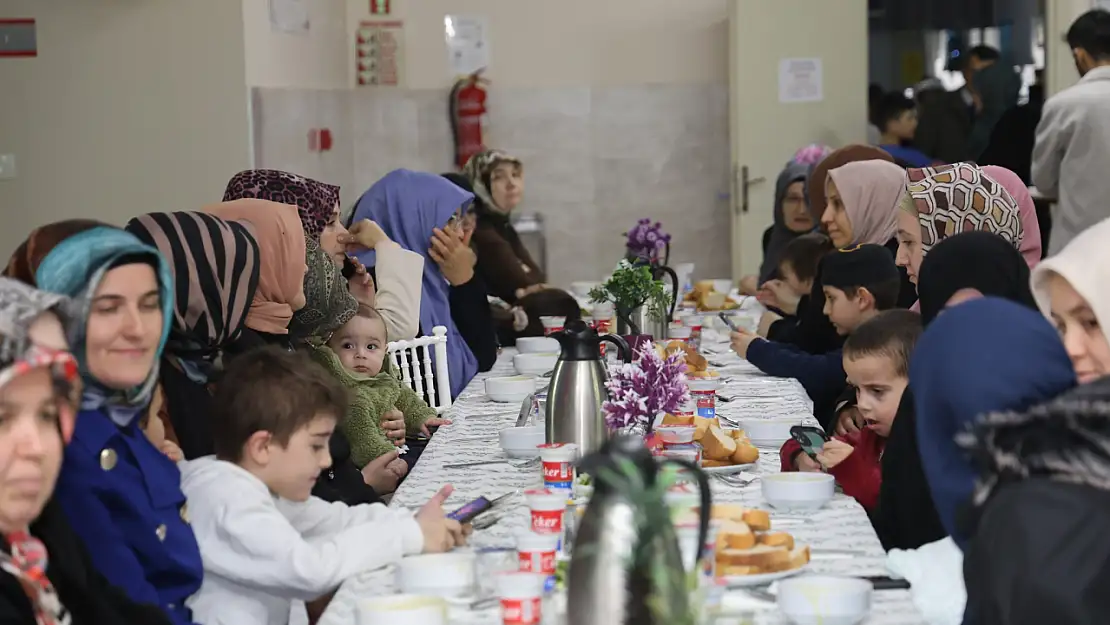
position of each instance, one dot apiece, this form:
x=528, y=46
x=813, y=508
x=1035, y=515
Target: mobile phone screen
x=471, y=510
x=728, y=322
x=810, y=438
x=884, y=582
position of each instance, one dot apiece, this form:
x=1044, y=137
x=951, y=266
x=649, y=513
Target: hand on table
x=434, y=422
x=361, y=284
x=379, y=476
x=363, y=235
x=393, y=424
x=520, y=318
x=741, y=340
x=398, y=467
x=833, y=453
x=804, y=463
x=440, y=533
x=451, y=251
x=749, y=285
x=849, y=421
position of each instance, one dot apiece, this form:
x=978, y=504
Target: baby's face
x=360, y=345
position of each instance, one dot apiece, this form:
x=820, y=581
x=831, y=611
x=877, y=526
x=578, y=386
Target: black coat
x=88, y=596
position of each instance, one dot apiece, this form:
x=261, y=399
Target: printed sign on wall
x=379, y=58
x=18, y=38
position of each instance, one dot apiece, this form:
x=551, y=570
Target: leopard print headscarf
x=951, y=199
x=315, y=201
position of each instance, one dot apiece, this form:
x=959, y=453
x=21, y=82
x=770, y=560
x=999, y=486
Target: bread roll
x=775, y=539
x=728, y=511
x=670, y=419
x=745, y=453
x=712, y=464
x=702, y=424
x=717, y=445
x=739, y=435
x=763, y=559
x=758, y=520
x=735, y=535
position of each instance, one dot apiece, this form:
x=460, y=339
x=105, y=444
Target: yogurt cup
x=536, y=553
x=558, y=465
x=552, y=324
x=679, y=333
x=691, y=452
x=548, y=509
x=521, y=595
x=687, y=534
x=684, y=503
x=703, y=392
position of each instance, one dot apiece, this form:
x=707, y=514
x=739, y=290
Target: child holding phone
x=876, y=360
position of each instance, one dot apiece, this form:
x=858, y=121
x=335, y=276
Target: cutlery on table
x=515, y=464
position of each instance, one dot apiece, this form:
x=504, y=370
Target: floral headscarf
x=479, y=169
x=950, y=199
x=328, y=302
x=315, y=201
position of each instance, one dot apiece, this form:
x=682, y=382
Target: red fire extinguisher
x=468, y=112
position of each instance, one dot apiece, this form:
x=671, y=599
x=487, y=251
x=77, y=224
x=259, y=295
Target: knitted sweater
x=370, y=398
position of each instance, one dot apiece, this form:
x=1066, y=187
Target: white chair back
x=430, y=381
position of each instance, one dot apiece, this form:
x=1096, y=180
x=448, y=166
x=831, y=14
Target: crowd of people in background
x=198, y=420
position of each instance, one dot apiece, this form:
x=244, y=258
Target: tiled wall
x=596, y=159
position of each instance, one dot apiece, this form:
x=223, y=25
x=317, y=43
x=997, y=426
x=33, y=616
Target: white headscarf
x=1085, y=264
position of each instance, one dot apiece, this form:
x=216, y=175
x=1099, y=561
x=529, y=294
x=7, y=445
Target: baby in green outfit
x=356, y=356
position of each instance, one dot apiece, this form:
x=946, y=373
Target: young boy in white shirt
x=265, y=541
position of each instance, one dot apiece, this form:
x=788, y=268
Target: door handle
x=745, y=184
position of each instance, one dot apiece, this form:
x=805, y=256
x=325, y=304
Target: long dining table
x=841, y=529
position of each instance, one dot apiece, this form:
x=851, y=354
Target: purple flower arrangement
x=641, y=390
x=647, y=240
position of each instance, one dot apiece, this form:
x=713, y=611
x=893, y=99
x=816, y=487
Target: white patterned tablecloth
x=840, y=525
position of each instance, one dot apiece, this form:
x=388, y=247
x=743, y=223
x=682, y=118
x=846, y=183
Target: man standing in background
x=992, y=87
x=1072, y=151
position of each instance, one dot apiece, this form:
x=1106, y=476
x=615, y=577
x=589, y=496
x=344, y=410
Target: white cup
x=521, y=594
x=407, y=609
x=553, y=324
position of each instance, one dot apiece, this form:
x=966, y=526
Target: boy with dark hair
x=858, y=283
x=897, y=125
x=876, y=359
x=797, y=267
x=265, y=541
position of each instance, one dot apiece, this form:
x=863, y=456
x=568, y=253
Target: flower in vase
x=642, y=389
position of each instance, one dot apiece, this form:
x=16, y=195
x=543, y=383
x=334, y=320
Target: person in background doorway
x=874, y=95
x=1073, y=138
x=1015, y=135
x=943, y=122
x=994, y=87
x=897, y=118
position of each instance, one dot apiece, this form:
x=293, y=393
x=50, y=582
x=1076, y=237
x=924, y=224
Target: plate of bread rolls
x=749, y=553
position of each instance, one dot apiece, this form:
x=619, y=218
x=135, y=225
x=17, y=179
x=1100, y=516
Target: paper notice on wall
x=379, y=54
x=800, y=80
x=289, y=16
x=467, y=43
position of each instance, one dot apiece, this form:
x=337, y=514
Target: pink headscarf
x=870, y=192
x=1027, y=211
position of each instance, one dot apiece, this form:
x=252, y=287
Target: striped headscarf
x=950, y=199
x=315, y=201
x=215, y=264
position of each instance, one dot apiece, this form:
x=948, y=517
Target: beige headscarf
x=870, y=191
x=281, y=253
x=1085, y=264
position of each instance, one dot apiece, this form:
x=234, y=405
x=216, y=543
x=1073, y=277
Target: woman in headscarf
x=1040, y=552
x=215, y=265
x=1071, y=289
x=121, y=494
x=815, y=186
x=1031, y=229
x=792, y=219
x=280, y=237
x=46, y=576
x=960, y=268
x=981, y=356
x=943, y=201
x=505, y=265
x=393, y=289
x=428, y=214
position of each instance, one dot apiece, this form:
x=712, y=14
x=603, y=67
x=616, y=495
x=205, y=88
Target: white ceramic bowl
x=521, y=442
x=722, y=285
x=439, y=574
x=535, y=364
x=537, y=345
x=512, y=389
x=581, y=290
x=770, y=433
x=408, y=609
x=825, y=600
x=797, y=491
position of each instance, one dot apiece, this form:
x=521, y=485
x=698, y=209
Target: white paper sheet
x=467, y=43
x=800, y=80
x=289, y=16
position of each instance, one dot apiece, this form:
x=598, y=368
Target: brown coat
x=503, y=262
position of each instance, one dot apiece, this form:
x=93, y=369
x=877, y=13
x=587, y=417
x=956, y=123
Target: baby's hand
x=434, y=422
x=399, y=468
x=393, y=424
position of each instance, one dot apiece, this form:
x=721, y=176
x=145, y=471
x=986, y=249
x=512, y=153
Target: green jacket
x=371, y=397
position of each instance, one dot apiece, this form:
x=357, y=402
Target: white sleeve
x=1053, y=137
x=316, y=518
x=259, y=548
x=399, y=279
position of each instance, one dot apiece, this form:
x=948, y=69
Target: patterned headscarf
x=281, y=253
x=215, y=264
x=27, y=257
x=1031, y=229
x=76, y=267
x=315, y=201
x=328, y=302
x=479, y=169
x=811, y=154
x=950, y=199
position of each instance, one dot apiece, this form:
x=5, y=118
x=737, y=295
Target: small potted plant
x=647, y=243
x=640, y=301
x=644, y=389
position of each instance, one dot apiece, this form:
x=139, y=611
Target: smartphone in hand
x=810, y=438
x=728, y=322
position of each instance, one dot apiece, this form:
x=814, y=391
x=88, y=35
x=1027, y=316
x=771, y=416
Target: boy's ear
x=257, y=447
x=865, y=299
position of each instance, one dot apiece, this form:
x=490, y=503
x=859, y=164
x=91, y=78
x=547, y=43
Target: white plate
x=761, y=579
x=521, y=453
x=736, y=468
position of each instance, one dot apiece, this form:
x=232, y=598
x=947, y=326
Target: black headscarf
x=780, y=233
x=982, y=261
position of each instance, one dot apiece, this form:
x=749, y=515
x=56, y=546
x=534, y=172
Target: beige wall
x=130, y=107
x=313, y=60
x=1060, y=70
x=545, y=43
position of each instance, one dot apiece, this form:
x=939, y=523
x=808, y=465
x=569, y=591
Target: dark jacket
x=1040, y=552
x=472, y=316
x=821, y=375
x=943, y=125
x=503, y=262
x=998, y=86
x=84, y=592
